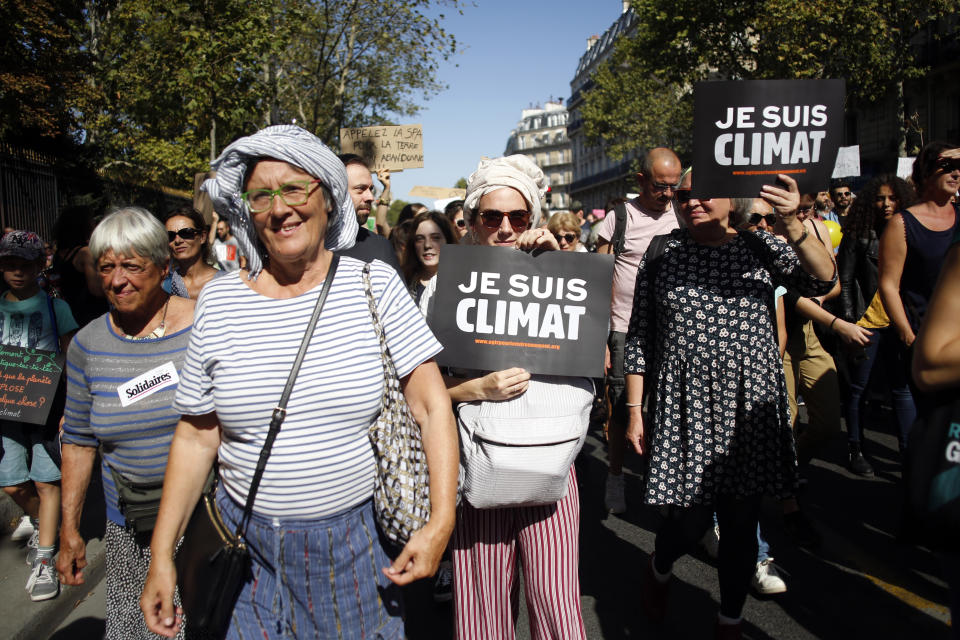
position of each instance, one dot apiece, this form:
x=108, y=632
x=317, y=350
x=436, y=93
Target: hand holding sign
x=537, y=239
x=747, y=131
x=546, y=313
x=784, y=201
x=503, y=385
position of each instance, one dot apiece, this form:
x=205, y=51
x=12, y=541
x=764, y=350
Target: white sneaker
x=614, y=500
x=24, y=530
x=711, y=542
x=43, y=583
x=765, y=579
x=32, y=545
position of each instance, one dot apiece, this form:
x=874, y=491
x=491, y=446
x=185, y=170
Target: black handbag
x=213, y=563
x=932, y=474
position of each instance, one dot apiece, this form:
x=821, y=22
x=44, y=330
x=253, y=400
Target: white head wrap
x=516, y=171
x=299, y=148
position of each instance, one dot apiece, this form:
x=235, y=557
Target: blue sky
x=513, y=54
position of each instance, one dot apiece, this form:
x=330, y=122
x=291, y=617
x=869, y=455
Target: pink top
x=642, y=226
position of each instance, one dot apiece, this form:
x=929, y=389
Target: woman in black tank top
x=916, y=239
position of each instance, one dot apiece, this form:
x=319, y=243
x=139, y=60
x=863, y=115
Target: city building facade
x=596, y=176
x=541, y=135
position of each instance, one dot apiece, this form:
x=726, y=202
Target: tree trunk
x=901, y=121
x=213, y=139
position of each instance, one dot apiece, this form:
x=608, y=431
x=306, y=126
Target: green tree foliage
x=460, y=184
x=642, y=94
x=394, y=211
x=158, y=87
x=40, y=68
x=355, y=63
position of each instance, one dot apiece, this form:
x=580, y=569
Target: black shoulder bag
x=213, y=564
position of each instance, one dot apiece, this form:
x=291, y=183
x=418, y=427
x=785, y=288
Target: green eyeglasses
x=293, y=194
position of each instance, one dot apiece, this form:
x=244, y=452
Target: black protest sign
x=28, y=383
x=745, y=132
x=499, y=308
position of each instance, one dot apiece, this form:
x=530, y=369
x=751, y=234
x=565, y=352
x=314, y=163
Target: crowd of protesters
x=775, y=314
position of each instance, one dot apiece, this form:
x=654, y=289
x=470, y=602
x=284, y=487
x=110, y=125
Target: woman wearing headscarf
x=702, y=337
x=490, y=544
x=319, y=568
x=145, y=333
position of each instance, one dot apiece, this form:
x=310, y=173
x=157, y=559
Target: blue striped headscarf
x=299, y=148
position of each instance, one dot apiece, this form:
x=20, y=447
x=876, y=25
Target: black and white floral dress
x=721, y=423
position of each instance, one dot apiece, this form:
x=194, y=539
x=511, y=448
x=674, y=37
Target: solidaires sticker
x=147, y=384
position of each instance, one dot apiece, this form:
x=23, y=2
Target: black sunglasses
x=755, y=219
x=948, y=165
x=187, y=233
x=682, y=195
x=569, y=237
x=461, y=222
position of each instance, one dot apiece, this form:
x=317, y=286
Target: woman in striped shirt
x=319, y=567
x=122, y=372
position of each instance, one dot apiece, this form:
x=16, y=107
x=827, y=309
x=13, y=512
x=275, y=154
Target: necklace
x=156, y=333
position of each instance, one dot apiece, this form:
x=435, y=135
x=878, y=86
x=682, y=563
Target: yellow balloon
x=835, y=234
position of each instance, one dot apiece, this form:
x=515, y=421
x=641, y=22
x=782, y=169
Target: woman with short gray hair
x=122, y=373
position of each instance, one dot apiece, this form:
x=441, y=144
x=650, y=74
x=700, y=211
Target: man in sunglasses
x=649, y=214
x=369, y=245
x=842, y=197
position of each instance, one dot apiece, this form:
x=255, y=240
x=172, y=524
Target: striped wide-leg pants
x=489, y=548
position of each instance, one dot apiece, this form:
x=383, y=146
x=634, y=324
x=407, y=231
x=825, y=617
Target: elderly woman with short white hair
x=497, y=534
x=143, y=337
x=319, y=568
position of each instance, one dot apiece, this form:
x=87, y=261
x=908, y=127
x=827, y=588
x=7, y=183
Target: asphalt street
x=860, y=583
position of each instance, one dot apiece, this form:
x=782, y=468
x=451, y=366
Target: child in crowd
x=28, y=474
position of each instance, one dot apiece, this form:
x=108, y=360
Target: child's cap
x=22, y=244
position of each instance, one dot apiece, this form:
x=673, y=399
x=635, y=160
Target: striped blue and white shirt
x=136, y=438
x=241, y=352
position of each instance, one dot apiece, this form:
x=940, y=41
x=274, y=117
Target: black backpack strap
x=620, y=229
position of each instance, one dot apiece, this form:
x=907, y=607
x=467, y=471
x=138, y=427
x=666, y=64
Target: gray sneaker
x=43, y=583
x=32, y=545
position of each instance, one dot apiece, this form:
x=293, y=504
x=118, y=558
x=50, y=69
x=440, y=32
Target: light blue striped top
x=240, y=354
x=136, y=438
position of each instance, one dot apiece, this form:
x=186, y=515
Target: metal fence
x=29, y=192
x=33, y=189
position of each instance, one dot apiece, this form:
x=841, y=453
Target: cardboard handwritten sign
x=905, y=167
x=386, y=147
x=848, y=162
x=437, y=193
x=745, y=132
x=499, y=308
x=28, y=383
